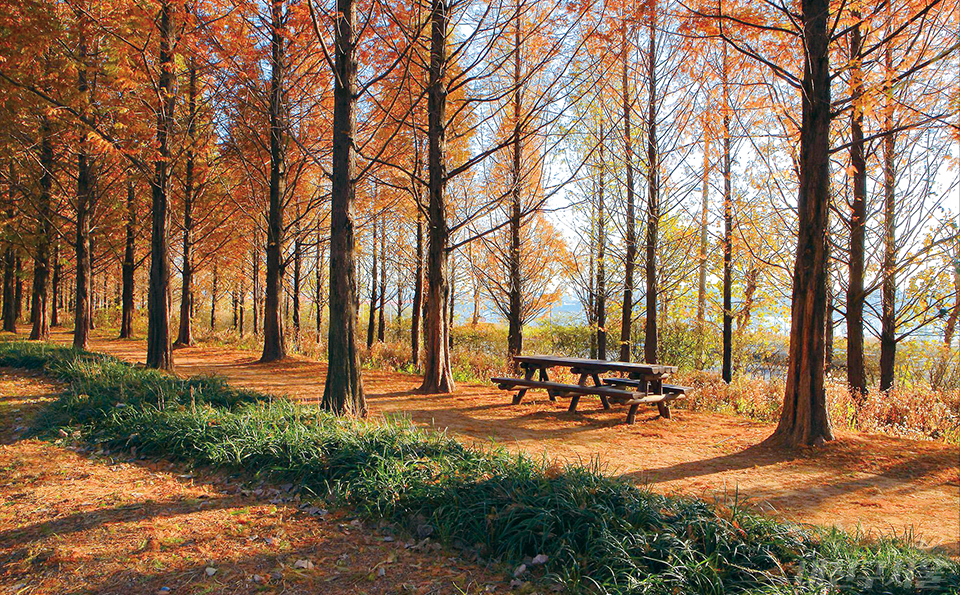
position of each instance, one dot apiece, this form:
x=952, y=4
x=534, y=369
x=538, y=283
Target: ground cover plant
x=597, y=534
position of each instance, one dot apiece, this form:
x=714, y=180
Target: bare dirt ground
x=73, y=523
x=874, y=483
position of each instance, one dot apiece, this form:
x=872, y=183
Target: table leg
x=573, y=403
x=545, y=378
x=664, y=410
x=527, y=375
x=632, y=414
x=603, y=398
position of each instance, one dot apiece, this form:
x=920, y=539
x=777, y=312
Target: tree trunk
x=9, y=269
x=653, y=200
x=18, y=276
x=626, y=316
x=214, y=294
x=235, y=305
x=343, y=392
x=319, y=281
x=297, y=272
x=381, y=320
x=702, y=256
x=128, y=266
x=274, y=347
x=185, y=334
x=256, y=284
x=437, y=373
x=81, y=296
x=56, y=294
x=515, y=323
x=372, y=309
x=601, y=305
x=415, y=319
x=727, y=364
x=41, y=263
x=159, y=354
x=856, y=376
x=804, y=420
x=888, y=312
x=243, y=304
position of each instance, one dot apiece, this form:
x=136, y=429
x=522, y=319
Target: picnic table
x=643, y=384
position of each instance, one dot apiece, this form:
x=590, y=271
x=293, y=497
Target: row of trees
x=283, y=143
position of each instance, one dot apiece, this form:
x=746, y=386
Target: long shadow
x=83, y=521
x=757, y=455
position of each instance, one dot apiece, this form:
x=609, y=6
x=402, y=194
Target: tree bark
x=185, y=334
x=256, y=284
x=319, y=283
x=856, y=376
x=274, y=347
x=81, y=299
x=297, y=273
x=626, y=316
x=372, y=309
x=888, y=312
x=601, y=305
x=727, y=363
x=515, y=323
x=128, y=266
x=343, y=391
x=214, y=294
x=653, y=200
x=437, y=376
x=41, y=263
x=56, y=294
x=9, y=268
x=415, y=318
x=702, y=256
x=159, y=354
x=804, y=420
x=381, y=320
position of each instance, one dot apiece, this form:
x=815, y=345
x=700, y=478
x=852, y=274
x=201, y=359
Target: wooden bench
x=633, y=383
x=606, y=393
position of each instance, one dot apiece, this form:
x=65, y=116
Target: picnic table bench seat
x=633, y=383
x=606, y=393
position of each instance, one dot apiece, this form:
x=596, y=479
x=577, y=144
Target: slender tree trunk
x=256, y=284
x=9, y=268
x=159, y=354
x=515, y=323
x=243, y=305
x=235, y=305
x=828, y=329
x=415, y=319
x=128, y=266
x=319, y=282
x=274, y=347
x=81, y=298
x=56, y=294
x=343, y=392
x=601, y=305
x=804, y=419
x=653, y=200
x=626, y=317
x=727, y=364
x=185, y=334
x=214, y=294
x=297, y=272
x=437, y=373
x=372, y=309
x=856, y=376
x=381, y=320
x=41, y=263
x=18, y=275
x=888, y=312
x=702, y=256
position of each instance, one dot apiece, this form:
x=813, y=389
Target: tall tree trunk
x=128, y=266
x=626, y=316
x=297, y=272
x=415, y=318
x=185, y=334
x=804, y=419
x=437, y=373
x=41, y=266
x=81, y=296
x=601, y=305
x=256, y=283
x=702, y=256
x=56, y=294
x=18, y=276
x=381, y=320
x=319, y=283
x=856, y=376
x=653, y=199
x=235, y=305
x=727, y=363
x=243, y=305
x=372, y=309
x=274, y=347
x=515, y=327
x=343, y=392
x=888, y=312
x=9, y=267
x=159, y=354
x=214, y=294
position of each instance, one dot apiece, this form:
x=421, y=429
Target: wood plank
x=594, y=364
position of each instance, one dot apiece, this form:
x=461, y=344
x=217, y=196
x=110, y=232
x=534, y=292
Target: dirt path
x=72, y=523
x=878, y=483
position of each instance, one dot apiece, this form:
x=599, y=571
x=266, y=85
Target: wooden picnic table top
x=595, y=364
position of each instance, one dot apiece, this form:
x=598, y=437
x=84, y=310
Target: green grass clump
x=600, y=534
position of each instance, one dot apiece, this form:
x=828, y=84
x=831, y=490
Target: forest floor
x=874, y=483
x=75, y=522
